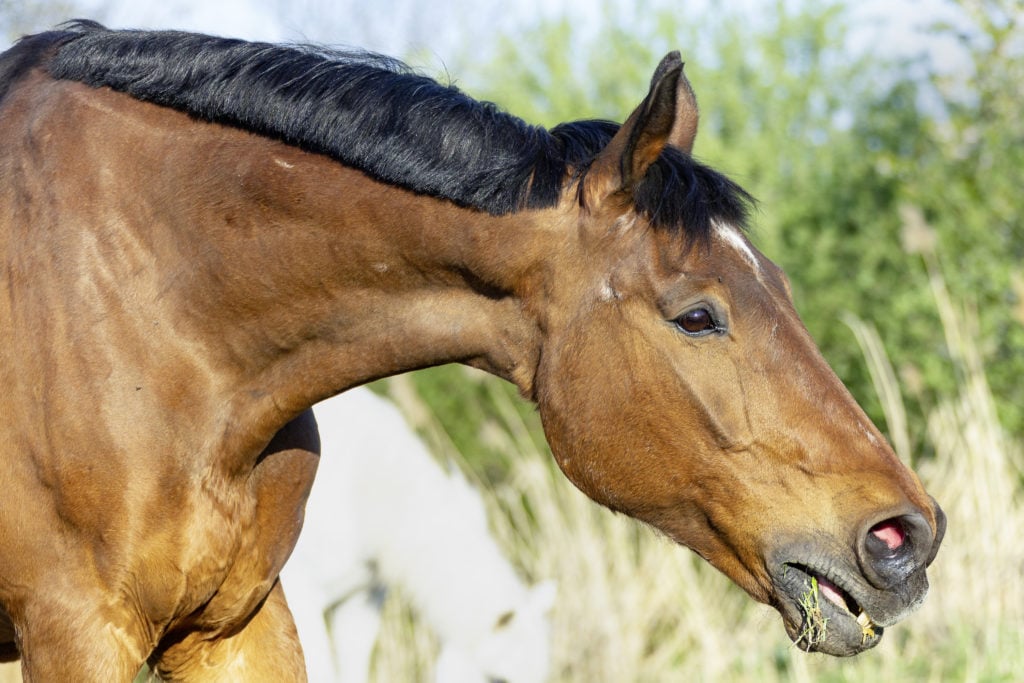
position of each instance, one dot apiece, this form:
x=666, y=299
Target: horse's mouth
x=821, y=615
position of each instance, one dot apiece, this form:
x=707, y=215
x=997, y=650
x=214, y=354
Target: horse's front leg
x=63, y=635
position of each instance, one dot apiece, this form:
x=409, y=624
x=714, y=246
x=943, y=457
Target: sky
x=395, y=27
x=438, y=30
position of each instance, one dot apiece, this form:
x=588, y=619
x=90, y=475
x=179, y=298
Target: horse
x=383, y=513
x=201, y=238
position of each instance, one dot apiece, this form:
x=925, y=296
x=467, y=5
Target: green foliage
x=968, y=181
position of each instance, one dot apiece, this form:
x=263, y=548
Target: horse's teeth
x=867, y=627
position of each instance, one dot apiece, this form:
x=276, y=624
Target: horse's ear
x=667, y=116
x=684, y=128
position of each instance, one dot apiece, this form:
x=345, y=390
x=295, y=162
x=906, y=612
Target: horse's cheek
x=600, y=420
x=722, y=395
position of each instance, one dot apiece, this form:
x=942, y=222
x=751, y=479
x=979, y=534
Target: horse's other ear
x=667, y=116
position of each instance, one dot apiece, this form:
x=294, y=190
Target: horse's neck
x=346, y=279
x=282, y=277
x=296, y=277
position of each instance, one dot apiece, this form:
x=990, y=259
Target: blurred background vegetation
x=890, y=190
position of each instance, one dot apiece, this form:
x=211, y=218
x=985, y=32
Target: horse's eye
x=697, y=321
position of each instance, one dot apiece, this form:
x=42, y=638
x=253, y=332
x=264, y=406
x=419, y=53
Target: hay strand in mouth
x=815, y=624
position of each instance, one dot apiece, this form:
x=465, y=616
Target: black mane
x=373, y=113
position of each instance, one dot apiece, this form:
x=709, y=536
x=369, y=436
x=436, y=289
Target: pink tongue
x=890, y=532
x=832, y=593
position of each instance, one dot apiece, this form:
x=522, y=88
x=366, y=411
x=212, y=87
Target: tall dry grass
x=634, y=607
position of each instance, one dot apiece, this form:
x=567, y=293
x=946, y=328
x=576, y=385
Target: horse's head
x=678, y=385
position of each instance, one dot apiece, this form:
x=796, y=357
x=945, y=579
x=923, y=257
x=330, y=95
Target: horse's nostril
x=889, y=532
x=895, y=548
x=887, y=542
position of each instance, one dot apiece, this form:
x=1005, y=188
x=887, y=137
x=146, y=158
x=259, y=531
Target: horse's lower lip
x=821, y=616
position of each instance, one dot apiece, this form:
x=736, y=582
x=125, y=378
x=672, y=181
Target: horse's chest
x=234, y=538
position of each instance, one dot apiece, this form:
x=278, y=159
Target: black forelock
x=375, y=114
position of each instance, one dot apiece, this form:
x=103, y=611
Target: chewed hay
x=815, y=623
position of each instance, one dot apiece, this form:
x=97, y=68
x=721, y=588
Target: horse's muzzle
x=838, y=602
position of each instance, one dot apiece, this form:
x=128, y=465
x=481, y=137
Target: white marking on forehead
x=283, y=164
x=732, y=236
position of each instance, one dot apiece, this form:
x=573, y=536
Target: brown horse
x=201, y=238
